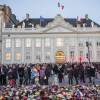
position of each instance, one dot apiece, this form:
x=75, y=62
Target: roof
x=29, y=22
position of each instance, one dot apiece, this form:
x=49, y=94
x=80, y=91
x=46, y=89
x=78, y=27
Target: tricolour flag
x=62, y=7
x=58, y=4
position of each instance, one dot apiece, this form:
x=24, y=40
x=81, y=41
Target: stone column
x=23, y=54
x=12, y=50
x=85, y=50
x=42, y=53
x=2, y=52
x=0, y=39
x=52, y=50
x=76, y=51
x=33, y=58
x=94, y=51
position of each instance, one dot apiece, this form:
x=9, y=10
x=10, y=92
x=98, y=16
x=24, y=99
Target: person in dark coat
x=21, y=74
x=29, y=73
x=47, y=74
x=92, y=72
x=15, y=72
x=70, y=75
x=55, y=69
x=76, y=73
x=26, y=76
x=60, y=73
x=82, y=73
x=88, y=72
x=3, y=74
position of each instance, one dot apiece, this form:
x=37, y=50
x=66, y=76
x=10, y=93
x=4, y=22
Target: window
x=28, y=42
x=88, y=43
x=59, y=42
x=72, y=56
x=18, y=56
x=47, y=42
x=38, y=57
x=81, y=53
x=8, y=56
x=38, y=42
x=28, y=57
x=71, y=53
x=98, y=44
x=47, y=57
x=18, y=42
x=80, y=44
x=98, y=54
x=8, y=43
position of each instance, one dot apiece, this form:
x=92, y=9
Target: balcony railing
x=39, y=30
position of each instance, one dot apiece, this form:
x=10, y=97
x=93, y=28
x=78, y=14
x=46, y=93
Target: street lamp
x=0, y=39
x=88, y=54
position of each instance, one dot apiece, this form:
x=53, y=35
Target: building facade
x=59, y=40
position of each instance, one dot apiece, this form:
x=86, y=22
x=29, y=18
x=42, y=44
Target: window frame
x=17, y=43
x=59, y=42
x=7, y=56
x=38, y=42
x=28, y=42
x=18, y=56
x=47, y=42
x=8, y=43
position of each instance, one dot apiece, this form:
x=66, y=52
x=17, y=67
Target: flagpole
x=58, y=7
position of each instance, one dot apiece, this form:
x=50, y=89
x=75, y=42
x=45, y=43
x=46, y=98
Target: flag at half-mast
x=61, y=6
x=58, y=4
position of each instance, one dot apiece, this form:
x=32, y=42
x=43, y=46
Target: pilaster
x=42, y=39
x=23, y=47
x=33, y=53
x=12, y=50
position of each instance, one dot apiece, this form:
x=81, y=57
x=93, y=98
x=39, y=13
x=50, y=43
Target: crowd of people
x=19, y=74
x=43, y=81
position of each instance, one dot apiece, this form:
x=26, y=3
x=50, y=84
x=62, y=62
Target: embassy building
x=45, y=40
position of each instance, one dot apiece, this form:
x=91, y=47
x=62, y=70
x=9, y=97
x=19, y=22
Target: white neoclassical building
x=55, y=40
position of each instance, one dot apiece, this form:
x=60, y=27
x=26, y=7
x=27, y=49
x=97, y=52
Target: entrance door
x=60, y=57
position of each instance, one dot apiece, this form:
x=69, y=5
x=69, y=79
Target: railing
x=19, y=30
x=38, y=30
x=88, y=29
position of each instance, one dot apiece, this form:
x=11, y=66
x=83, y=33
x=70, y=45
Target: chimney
x=92, y=24
x=78, y=19
x=86, y=16
x=27, y=16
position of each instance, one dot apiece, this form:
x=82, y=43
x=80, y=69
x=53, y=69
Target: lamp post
x=88, y=54
x=0, y=40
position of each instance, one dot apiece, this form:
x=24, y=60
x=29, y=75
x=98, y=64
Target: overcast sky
x=49, y=8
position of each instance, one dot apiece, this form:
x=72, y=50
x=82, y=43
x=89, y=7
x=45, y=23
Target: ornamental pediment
x=58, y=29
x=59, y=25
